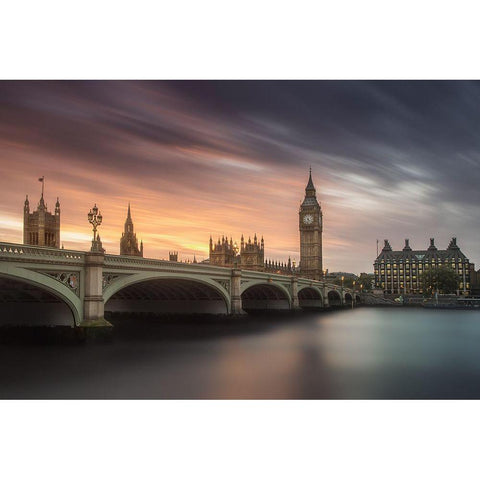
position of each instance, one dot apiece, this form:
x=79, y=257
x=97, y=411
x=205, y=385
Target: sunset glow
x=224, y=158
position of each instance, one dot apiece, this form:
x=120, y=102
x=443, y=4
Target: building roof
x=310, y=193
x=310, y=185
x=431, y=253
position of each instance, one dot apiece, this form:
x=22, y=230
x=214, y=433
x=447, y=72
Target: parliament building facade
x=41, y=227
x=251, y=254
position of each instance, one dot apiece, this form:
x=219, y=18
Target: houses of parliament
x=250, y=254
x=42, y=228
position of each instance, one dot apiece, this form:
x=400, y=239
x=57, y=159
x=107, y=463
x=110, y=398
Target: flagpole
x=42, y=179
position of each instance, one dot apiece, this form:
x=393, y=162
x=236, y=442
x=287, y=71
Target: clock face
x=308, y=219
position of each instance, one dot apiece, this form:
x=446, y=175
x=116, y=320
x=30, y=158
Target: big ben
x=310, y=225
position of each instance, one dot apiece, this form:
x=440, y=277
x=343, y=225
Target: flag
x=41, y=179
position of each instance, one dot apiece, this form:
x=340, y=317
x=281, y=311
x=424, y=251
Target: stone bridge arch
x=348, y=298
x=145, y=292
x=47, y=283
x=265, y=295
x=334, y=297
x=310, y=296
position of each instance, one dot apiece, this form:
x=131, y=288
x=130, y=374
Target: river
x=366, y=353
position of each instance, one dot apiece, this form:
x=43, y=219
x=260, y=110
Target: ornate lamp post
x=95, y=218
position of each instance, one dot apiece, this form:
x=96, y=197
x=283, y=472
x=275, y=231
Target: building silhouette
x=286, y=268
x=222, y=253
x=129, y=242
x=400, y=271
x=311, y=227
x=252, y=254
x=41, y=227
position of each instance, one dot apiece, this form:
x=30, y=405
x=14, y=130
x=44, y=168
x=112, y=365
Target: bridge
x=71, y=287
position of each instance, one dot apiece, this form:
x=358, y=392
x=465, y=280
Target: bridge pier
x=326, y=303
x=295, y=302
x=235, y=295
x=93, y=311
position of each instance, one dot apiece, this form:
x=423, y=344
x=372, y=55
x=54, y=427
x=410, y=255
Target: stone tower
x=41, y=227
x=311, y=227
x=129, y=242
x=252, y=254
x=222, y=253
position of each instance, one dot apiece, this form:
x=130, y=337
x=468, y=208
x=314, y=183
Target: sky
x=390, y=160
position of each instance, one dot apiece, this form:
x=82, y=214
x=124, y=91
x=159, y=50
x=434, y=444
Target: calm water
x=362, y=354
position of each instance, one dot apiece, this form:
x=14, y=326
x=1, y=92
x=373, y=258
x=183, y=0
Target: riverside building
x=399, y=271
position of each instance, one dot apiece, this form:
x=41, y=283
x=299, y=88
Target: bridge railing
x=126, y=261
x=30, y=252
x=14, y=250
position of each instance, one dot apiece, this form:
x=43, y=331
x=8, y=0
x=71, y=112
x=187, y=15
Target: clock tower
x=311, y=226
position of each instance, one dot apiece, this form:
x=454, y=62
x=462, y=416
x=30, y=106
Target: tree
x=347, y=281
x=366, y=280
x=441, y=279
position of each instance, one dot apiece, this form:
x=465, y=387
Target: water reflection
x=365, y=353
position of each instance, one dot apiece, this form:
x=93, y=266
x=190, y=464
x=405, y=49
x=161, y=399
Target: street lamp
x=95, y=218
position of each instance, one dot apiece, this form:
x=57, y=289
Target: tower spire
x=128, y=221
x=42, y=179
x=310, y=187
x=129, y=242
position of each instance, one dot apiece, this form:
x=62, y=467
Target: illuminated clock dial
x=308, y=219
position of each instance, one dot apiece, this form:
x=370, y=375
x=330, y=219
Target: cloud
x=390, y=160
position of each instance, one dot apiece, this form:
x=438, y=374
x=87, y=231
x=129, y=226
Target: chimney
x=387, y=246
